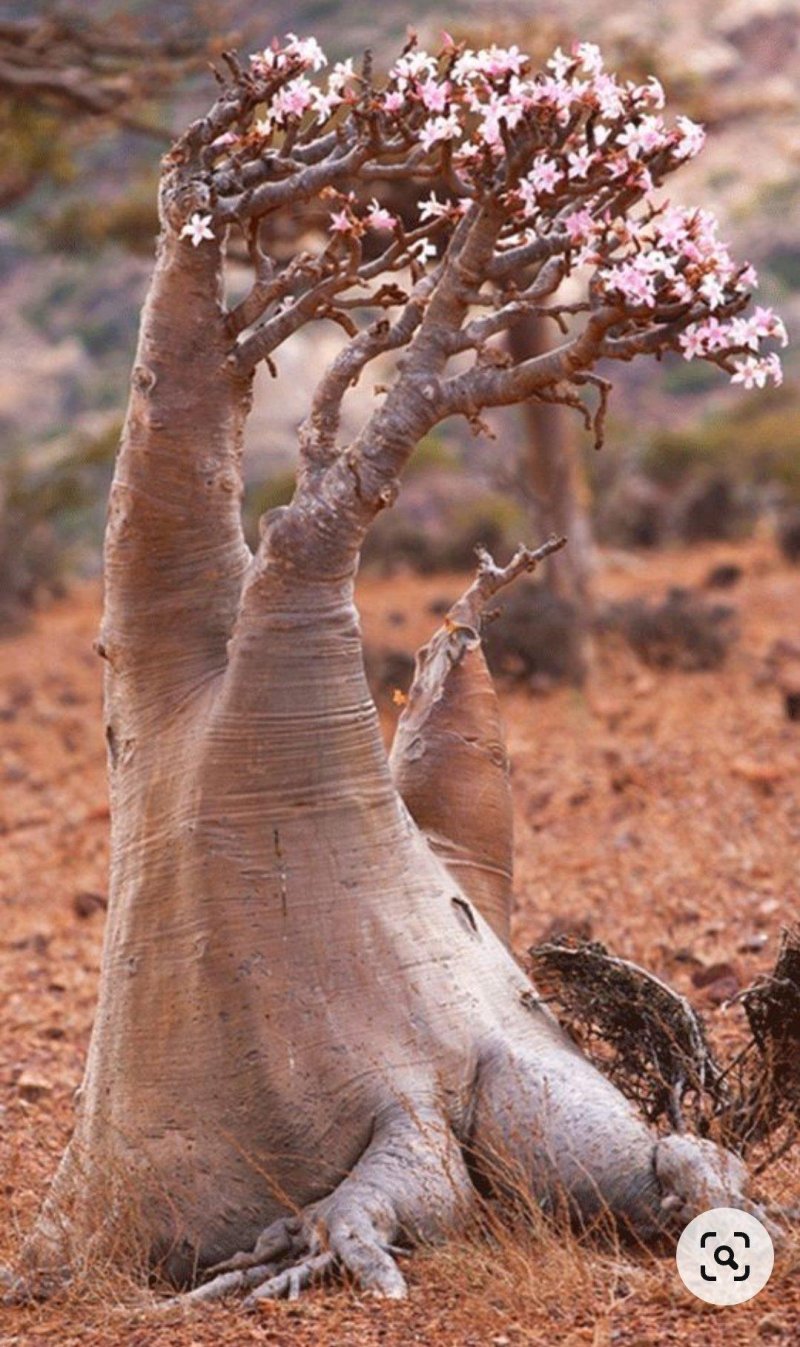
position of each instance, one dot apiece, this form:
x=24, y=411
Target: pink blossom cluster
x=711, y=337
x=297, y=96
x=572, y=153
x=347, y=219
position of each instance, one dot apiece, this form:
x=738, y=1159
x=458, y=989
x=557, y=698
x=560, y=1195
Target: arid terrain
x=658, y=811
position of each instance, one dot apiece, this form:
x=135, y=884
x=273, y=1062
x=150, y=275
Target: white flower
x=651, y=93
x=750, y=373
x=197, y=229
x=324, y=104
x=341, y=73
x=692, y=342
x=433, y=208
x=560, y=63
x=307, y=49
x=712, y=290
x=589, y=56
x=439, y=128
x=422, y=250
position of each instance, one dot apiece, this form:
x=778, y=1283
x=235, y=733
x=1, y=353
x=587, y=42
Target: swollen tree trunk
x=311, y=1034
x=294, y=984
x=555, y=489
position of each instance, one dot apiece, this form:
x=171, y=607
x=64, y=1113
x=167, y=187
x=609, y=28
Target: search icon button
x=730, y=1261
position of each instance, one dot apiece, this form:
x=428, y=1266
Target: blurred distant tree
x=65, y=75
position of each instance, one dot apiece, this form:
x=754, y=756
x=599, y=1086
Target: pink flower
x=197, y=229
x=752, y=373
x=580, y=161
x=691, y=138
x=378, y=217
x=341, y=222
x=644, y=138
x=632, y=282
x=671, y=228
x=439, y=128
x=393, y=101
x=748, y=277
x=609, y=95
x=716, y=335
x=505, y=60
x=692, y=342
x=293, y=99
x=307, y=50
x=561, y=96
x=434, y=95
x=579, y=225
x=544, y=175
x=767, y=324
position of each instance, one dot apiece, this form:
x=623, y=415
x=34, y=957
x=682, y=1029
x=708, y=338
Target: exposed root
x=646, y=1037
x=411, y=1185
x=653, y=1044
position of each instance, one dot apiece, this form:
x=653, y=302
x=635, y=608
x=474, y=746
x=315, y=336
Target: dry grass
x=658, y=812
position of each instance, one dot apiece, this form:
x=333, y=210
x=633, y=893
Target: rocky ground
x=658, y=811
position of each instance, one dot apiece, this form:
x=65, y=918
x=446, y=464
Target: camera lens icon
x=725, y=1256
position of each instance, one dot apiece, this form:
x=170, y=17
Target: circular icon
x=725, y=1256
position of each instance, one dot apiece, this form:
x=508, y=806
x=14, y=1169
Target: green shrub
x=758, y=442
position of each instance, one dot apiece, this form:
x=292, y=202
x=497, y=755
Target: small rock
x=719, y=982
x=86, y=903
x=724, y=576
x=32, y=1087
x=712, y=972
x=762, y=774
x=753, y=943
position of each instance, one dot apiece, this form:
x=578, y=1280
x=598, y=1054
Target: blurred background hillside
x=687, y=456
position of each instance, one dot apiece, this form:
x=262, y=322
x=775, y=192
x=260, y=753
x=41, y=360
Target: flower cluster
x=572, y=153
x=296, y=95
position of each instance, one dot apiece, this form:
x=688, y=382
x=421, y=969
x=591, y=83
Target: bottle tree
x=312, y=1036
